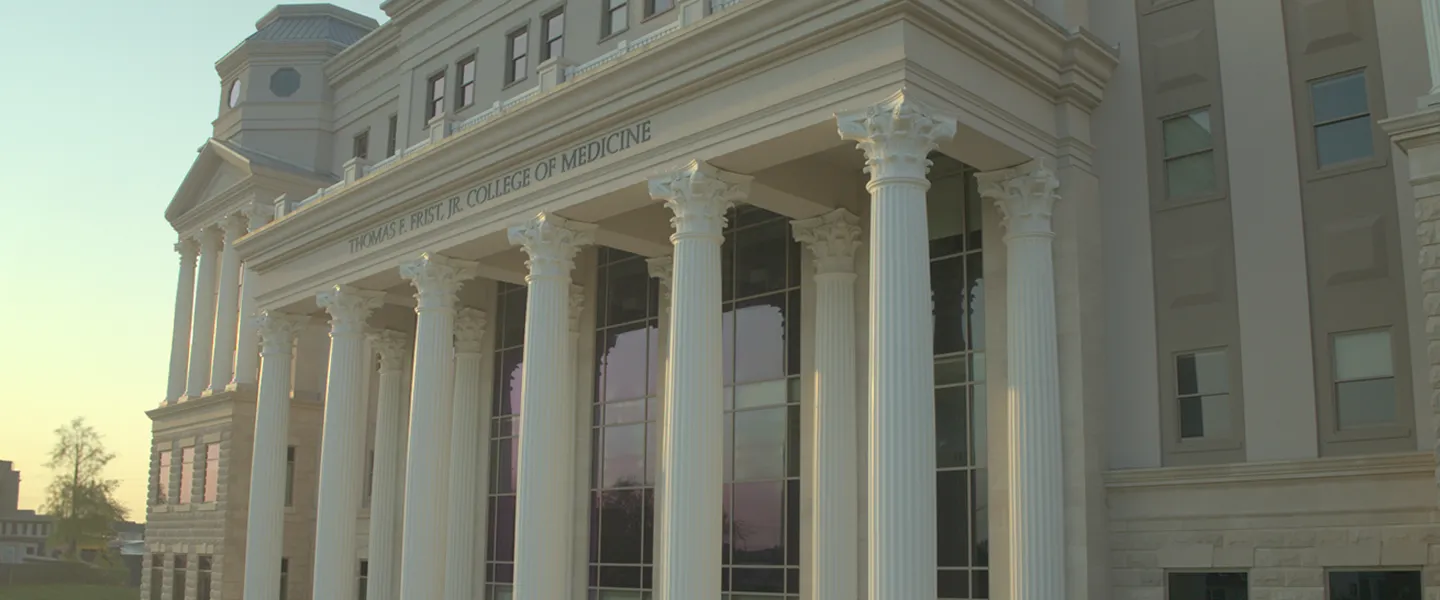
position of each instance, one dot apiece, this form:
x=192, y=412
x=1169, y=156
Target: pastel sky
x=102, y=107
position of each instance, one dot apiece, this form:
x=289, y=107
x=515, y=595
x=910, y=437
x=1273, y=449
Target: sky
x=102, y=107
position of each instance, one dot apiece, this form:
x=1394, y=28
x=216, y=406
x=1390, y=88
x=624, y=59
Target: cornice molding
x=1415, y=129
x=1385, y=465
x=369, y=51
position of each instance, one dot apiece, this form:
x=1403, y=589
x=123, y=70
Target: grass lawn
x=68, y=592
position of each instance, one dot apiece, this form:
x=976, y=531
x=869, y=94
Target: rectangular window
x=517, y=48
x=655, y=7
x=1341, y=117
x=360, y=147
x=290, y=476
x=435, y=96
x=1202, y=392
x=284, y=578
x=1364, y=380
x=552, y=32
x=465, y=90
x=187, y=475
x=364, y=578
x=212, y=473
x=157, y=576
x=391, y=138
x=162, y=478
x=1208, y=586
x=1189, y=155
x=616, y=18
x=177, y=584
x=1375, y=585
x=202, y=578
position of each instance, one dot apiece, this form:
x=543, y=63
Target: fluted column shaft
x=202, y=325
x=180, y=332
x=545, y=479
x=470, y=416
x=833, y=239
x=227, y=307
x=422, y=570
x=383, y=582
x=265, y=524
x=661, y=268
x=692, y=459
x=1431, y=12
x=247, y=342
x=897, y=136
x=1026, y=196
x=342, y=446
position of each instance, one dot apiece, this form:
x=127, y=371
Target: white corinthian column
x=692, y=459
x=897, y=136
x=1026, y=196
x=661, y=268
x=544, y=512
x=227, y=307
x=184, y=303
x=265, y=524
x=247, y=344
x=202, y=326
x=422, y=562
x=467, y=455
x=833, y=239
x=343, y=442
x=1430, y=11
x=388, y=489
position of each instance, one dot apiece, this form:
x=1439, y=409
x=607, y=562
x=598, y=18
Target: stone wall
x=1285, y=524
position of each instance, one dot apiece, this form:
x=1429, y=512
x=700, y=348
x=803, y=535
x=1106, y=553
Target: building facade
x=808, y=299
x=22, y=532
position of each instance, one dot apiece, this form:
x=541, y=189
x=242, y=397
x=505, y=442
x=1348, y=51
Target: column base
x=1428, y=101
x=241, y=387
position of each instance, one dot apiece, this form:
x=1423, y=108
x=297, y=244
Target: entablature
x=754, y=41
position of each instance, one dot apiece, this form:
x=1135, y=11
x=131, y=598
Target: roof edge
x=317, y=10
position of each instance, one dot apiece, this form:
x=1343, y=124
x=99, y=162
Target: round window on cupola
x=284, y=81
x=234, y=98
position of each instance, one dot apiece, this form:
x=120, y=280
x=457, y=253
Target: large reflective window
x=625, y=424
x=504, y=440
x=956, y=278
x=761, y=332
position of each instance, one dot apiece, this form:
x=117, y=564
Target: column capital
x=699, y=195
x=188, y=249
x=551, y=241
x=577, y=305
x=278, y=331
x=662, y=268
x=258, y=214
x=349, y=307
x=393, y=348
x=1025, y=195
x=437, y=278
x=832, y=238
x=897, y=136
x=208, y=238
x=234, y=226
x=469, y=328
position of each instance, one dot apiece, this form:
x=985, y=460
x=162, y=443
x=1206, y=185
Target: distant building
x=9, y=487
x=22, y=532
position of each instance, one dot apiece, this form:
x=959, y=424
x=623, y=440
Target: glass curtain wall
x=504, y=440
x=955, y=213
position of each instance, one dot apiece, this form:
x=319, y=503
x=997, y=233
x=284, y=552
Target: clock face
x=234, y=93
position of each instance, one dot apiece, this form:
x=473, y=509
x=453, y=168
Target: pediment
x=224, y=177
x=221, y=166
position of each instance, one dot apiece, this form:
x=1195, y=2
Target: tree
x=80, y=498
